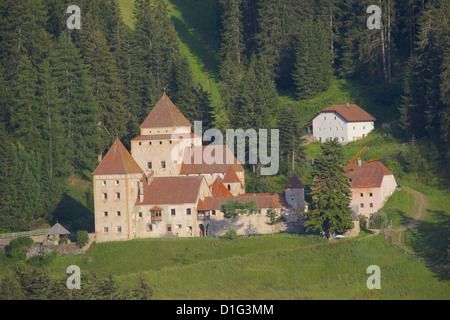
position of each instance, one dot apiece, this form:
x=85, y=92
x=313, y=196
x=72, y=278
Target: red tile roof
x=117, y=161
x=201, y=206
x=351, y=112
x=204, y=167
x=218, y=189
x=165, y=114
x=230, y=176
x=369, y=175
x=171, y=190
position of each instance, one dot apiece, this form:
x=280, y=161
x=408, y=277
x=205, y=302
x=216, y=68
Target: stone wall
x=353, y=232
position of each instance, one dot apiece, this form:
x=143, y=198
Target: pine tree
x=107, y=90
x=291, y=135
x=329, y=211
x=312, y=73
x=77, y=105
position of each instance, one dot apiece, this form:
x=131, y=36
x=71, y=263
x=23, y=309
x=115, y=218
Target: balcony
x=203, y=215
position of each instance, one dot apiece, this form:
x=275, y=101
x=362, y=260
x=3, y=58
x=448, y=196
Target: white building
x=346, y=122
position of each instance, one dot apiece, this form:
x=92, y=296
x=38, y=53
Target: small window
x=118, y=214
x=163, y=164
x=361, y=194
x=229, y=187
x=170, y=141
x=324, y=118
x=364, y=127
x=105, y=229
x=175, y=162
x=119, y=229
x=353, y=127
x=335, y=118
x=188, y=211
x=361, y=205
x=149, y=143
x=370, y=194
x=371, y=205
x=213, y=212
x=105, y=213
x=104, y=183
x=105, y=196
x=116, y=182
x=140, y=214
x=172, y=212
x=342, y=138
x=160, y=142
x=149, y=165
x=140, y=143
x=149, y=227
x=118, y=195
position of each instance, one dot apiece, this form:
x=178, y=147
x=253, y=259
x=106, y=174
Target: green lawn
x=283, y=267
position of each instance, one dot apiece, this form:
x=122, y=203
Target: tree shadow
x=377, y=98
x=73, y=215
x=198, y=30
x=430, y=241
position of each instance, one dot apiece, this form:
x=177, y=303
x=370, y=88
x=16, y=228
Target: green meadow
x=283, y=267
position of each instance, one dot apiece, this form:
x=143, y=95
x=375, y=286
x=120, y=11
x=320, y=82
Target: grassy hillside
x=196, y=25
x=284, y=267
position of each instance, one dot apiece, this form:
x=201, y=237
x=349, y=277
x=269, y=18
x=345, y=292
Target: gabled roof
x=208, y=166
x=369, y=175
x=201, y=206
x=171, y=190
x=165, y=114
x=117, y=161
x=218, y=189
x=350, y=112
x=57, y=229
x=294, y=183
x=231, y=176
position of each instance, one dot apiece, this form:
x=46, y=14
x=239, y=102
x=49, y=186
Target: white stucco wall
x=330, y=125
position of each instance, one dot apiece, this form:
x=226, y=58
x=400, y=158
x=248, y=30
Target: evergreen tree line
x=28, y=283
x=66, y=95
x=300, y=45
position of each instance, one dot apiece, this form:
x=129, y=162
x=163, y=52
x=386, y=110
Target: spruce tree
x=329, y=211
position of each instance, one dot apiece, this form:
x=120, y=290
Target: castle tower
x=294, y=193
x=232, y=182
x=116, y=181
x=165, y=134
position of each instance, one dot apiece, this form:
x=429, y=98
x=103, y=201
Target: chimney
x=359, y=162
x=347, y=105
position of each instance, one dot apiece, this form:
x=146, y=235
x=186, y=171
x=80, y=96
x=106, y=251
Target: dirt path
x=419, y=208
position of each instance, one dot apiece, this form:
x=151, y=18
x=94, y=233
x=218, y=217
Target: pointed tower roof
x=294, y=183
x=230, y=176
x=165, y=114
x=57, y=229
x=117, y=161
x=218, y=189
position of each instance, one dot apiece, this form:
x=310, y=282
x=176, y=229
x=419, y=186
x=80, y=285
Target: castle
x=161, y=189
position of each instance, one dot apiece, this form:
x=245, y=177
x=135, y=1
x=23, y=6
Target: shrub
x=230, y=234
x=82, y=238
x=15, y=248
x=379, y=220
x=63, y=241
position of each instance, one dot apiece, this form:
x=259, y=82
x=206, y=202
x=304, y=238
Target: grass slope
x=283, y=267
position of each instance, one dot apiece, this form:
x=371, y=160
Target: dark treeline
x=66, y=95
x=298, y=46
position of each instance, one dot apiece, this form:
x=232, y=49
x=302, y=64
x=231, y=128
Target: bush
x=379, y=220
x=63, y=241
x=15, y=248
x=230, y=234
x=82, y=238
